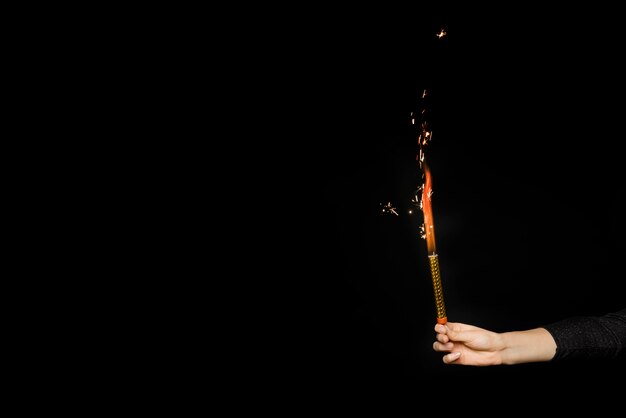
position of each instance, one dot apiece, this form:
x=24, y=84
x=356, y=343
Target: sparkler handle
x=436, y=276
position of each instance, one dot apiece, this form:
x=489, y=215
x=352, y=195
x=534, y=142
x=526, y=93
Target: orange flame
x=429, y=225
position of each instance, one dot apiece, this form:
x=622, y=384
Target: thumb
x=457, y=335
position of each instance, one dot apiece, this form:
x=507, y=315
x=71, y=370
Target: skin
x=473, y=346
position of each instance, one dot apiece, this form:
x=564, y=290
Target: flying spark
x=388, y=208
x=417, y=200
x=441, y=34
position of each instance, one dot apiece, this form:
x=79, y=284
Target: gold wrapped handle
x=436, y=276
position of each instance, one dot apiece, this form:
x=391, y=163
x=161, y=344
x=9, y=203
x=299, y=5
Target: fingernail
x=440, y=328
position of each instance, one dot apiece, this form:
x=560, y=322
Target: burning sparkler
x=428, y=232
x=424, y=202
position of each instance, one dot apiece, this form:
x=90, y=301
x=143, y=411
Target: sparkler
x=424, y=202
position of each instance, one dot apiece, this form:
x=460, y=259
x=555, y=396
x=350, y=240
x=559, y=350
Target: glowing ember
x=429, y=225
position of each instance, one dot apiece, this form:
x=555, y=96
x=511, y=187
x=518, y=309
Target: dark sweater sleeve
x=589, y=337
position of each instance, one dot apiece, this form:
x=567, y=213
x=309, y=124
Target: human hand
x=469, y=345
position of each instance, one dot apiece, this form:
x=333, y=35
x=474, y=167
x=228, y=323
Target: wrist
x=527, y=346
x=508, y=352
x=501, y=343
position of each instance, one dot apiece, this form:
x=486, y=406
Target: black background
x=526, y=113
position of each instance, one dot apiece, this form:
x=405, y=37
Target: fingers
x=441, y=346
x=451, y=358
x=454, y=326
x=442, y=338
x=459, y=326
x=454, y=331
x=437, y=346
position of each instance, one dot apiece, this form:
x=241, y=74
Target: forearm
x=527, y=346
